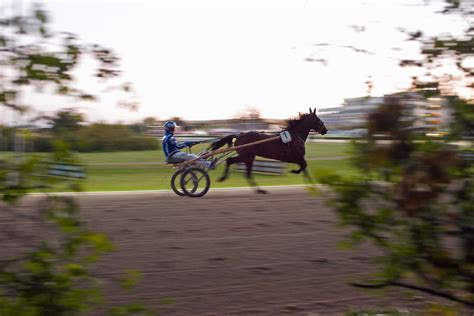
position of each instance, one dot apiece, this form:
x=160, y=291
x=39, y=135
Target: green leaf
x=131, y=279
x=75, y=269
x=167, y=301
x=100, y=242
x=41, y=15
x=34, y=267
x=345, y=245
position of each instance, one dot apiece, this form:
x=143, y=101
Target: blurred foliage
x=447, y=59
x=68, y=125
x=49, y=270
x=146, y=125
x=433, y=310
x=32, y=55
x=52, y=278
x=183, y=125
x=111, y=137
x=66, y=121
x=463, y=118
x=99, y=137
x=149, y=121
x=415, y=201
x=374, y=312
x=50, y=273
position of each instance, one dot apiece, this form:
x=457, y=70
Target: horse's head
x=315, y=122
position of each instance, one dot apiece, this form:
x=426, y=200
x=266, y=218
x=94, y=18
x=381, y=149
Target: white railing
x=264, y=166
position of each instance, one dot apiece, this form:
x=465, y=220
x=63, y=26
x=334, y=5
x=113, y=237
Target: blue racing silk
x=170, y=144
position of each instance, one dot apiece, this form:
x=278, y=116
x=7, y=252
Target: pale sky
x=212, y=59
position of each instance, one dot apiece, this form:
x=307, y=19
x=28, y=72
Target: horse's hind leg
x=248, y=174
x=226, y=171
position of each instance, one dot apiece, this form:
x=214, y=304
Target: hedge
x=44, y=143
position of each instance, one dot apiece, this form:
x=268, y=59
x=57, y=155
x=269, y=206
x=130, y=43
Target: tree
x=150, y=121
x=48, y=276
x=414, y=199
x=66, y=121
x=31, y=57
x=180, y=122
x=249, y=113
x=142, y=127
x=112, y=137
x=447, y=58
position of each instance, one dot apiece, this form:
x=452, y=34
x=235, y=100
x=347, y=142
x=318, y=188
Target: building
x=351, y=115
x=431, y=116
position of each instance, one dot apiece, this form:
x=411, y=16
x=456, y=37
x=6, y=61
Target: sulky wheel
x=175, y=183
x=195, y=182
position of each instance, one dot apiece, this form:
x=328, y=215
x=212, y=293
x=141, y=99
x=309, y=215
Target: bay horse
x=292, y=152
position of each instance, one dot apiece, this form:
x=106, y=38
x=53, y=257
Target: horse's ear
x=310, y=111
x=314, y=111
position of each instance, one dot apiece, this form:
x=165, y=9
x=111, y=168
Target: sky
x=212, y=59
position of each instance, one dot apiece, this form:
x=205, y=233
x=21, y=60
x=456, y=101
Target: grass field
x=153, y=177
x=116, y=171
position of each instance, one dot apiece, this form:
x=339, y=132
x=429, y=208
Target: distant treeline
x=84, y=138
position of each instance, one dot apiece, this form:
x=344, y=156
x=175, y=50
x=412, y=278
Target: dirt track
x=235, y=253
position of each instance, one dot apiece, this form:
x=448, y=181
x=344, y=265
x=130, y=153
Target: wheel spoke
x=200, y=182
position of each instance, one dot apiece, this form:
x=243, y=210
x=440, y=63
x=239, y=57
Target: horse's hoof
x=221, y=179
x=260, y=191
x=295, y=171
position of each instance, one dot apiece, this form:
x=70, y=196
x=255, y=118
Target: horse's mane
x=293, y=122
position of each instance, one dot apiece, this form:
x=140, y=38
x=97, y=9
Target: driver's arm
x=180, y=145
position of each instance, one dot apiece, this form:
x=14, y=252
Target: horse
x=292, y=152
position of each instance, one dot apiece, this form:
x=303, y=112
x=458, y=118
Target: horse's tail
x=221, y=142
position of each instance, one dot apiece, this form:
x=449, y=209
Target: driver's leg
x=186, y=156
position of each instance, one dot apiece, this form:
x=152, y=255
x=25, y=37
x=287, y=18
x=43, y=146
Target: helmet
x=169, y=126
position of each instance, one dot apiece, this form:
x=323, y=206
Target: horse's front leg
x=302, y=163
x=303, y=168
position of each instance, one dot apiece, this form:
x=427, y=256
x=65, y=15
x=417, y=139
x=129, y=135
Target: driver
x=171, y=148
